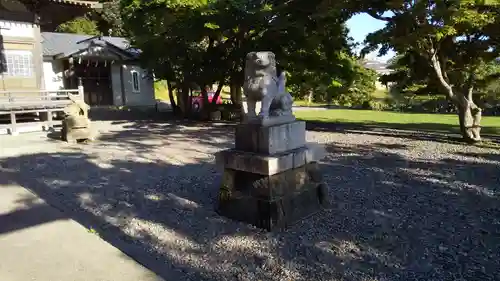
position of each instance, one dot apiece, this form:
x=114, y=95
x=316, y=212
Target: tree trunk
x=232, y=92
x=183, y=100
x=204, y=95
x=239, y=94
x=215, y=114
x=205, y=109
x=236, y=94
x=469, y=116
x=173, y=104
x=310, y=95
x=217, y=92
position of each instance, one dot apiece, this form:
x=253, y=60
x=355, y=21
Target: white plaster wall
x=53, y=75
x=17, y=29
x=116, y=85
x=146, y=96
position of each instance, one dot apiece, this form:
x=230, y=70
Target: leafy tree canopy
x=205, y=42
x=110, y=19
x=80, y=25
x=452, y=39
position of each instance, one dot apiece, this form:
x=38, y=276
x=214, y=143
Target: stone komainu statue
x=262, y=84
x=76, y=123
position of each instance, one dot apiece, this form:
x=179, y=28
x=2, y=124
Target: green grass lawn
x=161, y=92
x=305, y=103
x=409, y=121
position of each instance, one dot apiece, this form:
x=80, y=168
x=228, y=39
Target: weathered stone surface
x=268, y=187
x=263, y=84
x=76, y=124
x=271, y=178
x=272, y=202
x=270, y=139
x=269, y=165
x=270, y=121
x=274, y=214
x=312, y=152
x=76, y=128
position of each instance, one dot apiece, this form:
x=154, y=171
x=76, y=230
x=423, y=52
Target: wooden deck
x=35, y=108
x=34, y=100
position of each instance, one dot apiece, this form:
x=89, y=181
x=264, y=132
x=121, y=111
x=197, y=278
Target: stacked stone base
x=76, y=129
x=271, y=184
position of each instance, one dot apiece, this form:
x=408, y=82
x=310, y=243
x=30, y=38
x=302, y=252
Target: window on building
x=19, y=63
x=135, y=82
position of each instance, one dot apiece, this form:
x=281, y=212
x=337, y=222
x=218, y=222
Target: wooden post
x=49, y=120
x=80, y=88
x=71, y=73
x=13, y=124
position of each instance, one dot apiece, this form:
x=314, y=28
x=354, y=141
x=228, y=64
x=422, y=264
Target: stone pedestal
x=76, y=128
x=271, y=178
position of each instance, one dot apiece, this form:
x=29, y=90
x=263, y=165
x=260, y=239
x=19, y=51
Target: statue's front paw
x=277, y=112
x=263, y=115
x=251, y=115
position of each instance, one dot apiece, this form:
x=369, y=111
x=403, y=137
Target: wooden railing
x=31, y=100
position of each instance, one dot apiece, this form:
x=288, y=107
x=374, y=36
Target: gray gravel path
x=401, y=208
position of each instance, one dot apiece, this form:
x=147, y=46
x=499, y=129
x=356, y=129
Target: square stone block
x=272, y=214
x=268, y=187
x=79, y=134
x=272, y=202
x=269, y=165
x=270, y=139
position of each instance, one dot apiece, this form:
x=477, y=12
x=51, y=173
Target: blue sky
x=361, y=25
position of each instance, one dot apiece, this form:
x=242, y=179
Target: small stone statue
x=76, y=124
x=77, y=108
x=262, y=84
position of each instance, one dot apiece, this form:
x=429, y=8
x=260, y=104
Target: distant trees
x=197, y=42
x=80, y=25
x=106, y=21
x=110, y=19
x=445, y=45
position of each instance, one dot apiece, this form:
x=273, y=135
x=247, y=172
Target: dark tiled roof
x=63, y=43
x=91, y=4
x=378, y=66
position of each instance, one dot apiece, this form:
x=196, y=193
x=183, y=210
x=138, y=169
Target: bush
x=375, y=105
x=437, y=105
x=229, y=112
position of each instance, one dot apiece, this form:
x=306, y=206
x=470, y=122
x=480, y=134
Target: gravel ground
x=402, y=208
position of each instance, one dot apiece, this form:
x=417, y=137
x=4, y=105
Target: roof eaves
x=85, y=3
x=64, y=55
x=124, y=52
x=89, y=39
x=75, y=52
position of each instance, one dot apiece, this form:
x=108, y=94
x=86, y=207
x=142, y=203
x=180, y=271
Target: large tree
x=202, y=42
x=454, y=39
x=110, y=19
x=80, y=25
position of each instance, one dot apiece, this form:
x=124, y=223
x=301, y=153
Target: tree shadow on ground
x=391, y=217
x=28, y=214
x=130, y=114
x=416, y=131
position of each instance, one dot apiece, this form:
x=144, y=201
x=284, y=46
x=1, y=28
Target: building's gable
x=377, y=66
x=59, y=45
x=95, y=51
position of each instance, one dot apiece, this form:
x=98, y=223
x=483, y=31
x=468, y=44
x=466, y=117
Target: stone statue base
x=269, y=121
x=271, y=178
x=76, y=124
x=76, y=128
